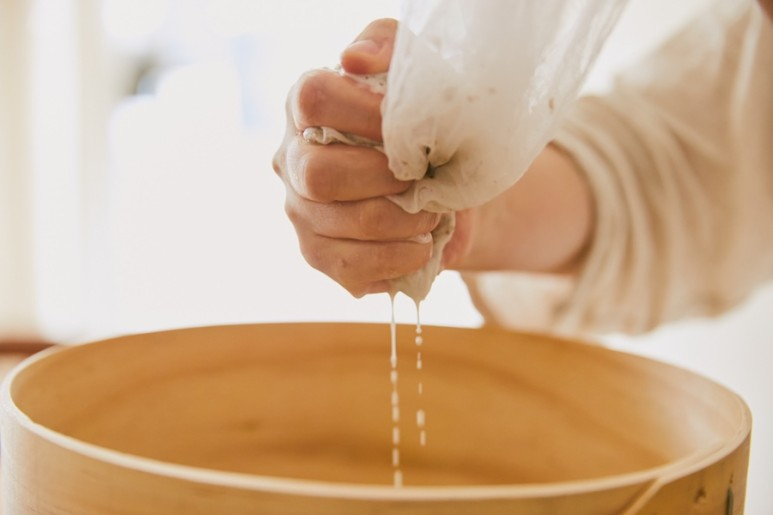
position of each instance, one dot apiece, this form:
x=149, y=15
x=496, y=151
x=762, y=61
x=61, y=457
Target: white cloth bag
x=474, y=92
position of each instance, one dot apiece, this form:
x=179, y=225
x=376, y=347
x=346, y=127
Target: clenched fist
x=337, y=194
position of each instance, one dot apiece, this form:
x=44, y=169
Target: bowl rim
x=654, y=476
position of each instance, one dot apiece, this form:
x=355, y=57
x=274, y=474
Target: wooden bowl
x=296, y=419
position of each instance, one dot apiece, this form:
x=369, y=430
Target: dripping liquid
x=420, y=415
x=395, y=402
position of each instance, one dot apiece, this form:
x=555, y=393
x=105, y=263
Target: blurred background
x=136, y=189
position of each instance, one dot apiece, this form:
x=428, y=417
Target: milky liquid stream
x=395, y=397
x=395, y=402
x=420, y=414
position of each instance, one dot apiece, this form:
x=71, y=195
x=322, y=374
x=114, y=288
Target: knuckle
x=292, y=213
x=278, y=160
x=313, y=253
x=298, y=214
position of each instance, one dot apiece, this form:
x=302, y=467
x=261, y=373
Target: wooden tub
x=296, y=419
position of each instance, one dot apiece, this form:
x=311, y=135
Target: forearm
x=541, y=224
x=681, y=193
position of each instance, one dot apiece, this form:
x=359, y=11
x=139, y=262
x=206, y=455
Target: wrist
x=541, y=224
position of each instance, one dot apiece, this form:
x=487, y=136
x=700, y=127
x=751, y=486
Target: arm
x=679, y=167
x=666, y=215
x=542, y=224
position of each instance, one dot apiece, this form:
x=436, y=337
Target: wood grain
x=13, y=352
x=295, y=418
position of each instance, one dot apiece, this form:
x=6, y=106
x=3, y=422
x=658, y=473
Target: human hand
x=336, y=195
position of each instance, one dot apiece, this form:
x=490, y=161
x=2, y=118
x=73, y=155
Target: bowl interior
x=312, y=401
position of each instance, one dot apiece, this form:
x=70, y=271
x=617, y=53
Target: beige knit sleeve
x=679, y=157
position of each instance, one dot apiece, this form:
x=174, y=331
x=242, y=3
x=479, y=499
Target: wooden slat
x=13, y=352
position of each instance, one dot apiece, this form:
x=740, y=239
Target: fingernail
x=364, y=46
x=422, y=238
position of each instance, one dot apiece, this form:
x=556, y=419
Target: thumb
x=371, y=51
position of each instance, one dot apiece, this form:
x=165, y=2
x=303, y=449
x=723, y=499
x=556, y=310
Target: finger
x=376, y=219
x=324, y=98
x=457, y=251
x=329, y=173
x=371, y=51
x=364, y=267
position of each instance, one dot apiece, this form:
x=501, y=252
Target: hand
x=336, y=194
